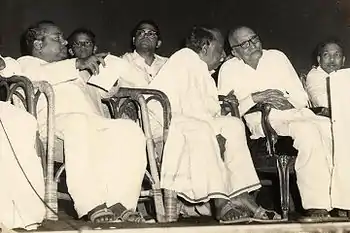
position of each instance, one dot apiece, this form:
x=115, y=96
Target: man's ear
x=95, y=49
x=133, y=40
x=318, y=59
x=159, y=43
x=38, y=44
x=344, y=58
x=205, y=49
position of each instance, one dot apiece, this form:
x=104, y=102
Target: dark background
x=293, y=26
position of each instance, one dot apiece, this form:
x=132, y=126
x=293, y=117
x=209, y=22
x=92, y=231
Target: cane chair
x=23, y=93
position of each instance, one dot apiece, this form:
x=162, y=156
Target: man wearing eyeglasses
x=82, y=43
x=146, y=40
x=258, y=76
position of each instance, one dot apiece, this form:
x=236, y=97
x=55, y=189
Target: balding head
x=245, y=45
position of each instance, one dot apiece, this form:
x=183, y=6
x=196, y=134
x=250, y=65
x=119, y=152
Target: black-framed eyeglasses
x=246, y=44
x=87, y=43
x=148, y=33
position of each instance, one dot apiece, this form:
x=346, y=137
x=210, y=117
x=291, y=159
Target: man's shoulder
x=275, y=53
x=231, y=64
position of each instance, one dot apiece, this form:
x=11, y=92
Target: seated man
x=330, y=58
x=101, y=155
x=266, y=76
x=146, y=40
x=21, y=207
x=192, y=164
x=82, y=43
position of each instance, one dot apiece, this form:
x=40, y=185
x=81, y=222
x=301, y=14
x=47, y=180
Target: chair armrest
x=44, y=88
x=269, y=132
x=133, y=94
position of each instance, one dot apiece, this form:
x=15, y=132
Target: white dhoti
x=312, y=139
x=105, y=160
x=192, y=164
x=20, y=206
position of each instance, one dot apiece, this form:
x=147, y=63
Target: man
x=330, y=58
x=146, y=40
x=266, y=76
x=21, y=206
x=82, y=43
x=101, y=155
x=192, y=164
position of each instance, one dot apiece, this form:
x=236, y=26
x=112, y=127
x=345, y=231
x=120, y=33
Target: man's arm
x=316, y=88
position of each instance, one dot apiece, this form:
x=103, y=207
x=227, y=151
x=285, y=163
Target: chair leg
x=51, y=200
x=171, y=205
x=283, y=165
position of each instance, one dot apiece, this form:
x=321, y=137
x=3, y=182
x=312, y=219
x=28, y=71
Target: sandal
x=101, y=214
x=263, y=215
x=126, y=215
x=232, y=213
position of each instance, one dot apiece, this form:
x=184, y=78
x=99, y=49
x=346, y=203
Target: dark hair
x=33, y=33
x=200, y=36
x=78, y=31
x=146, y=21
x=331, y=40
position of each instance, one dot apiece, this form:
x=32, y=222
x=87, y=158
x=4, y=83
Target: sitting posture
x=192, y=164
x=146, y=40
x=105, y=159
x=330, y=58
x=260, y=76
x=21, y=205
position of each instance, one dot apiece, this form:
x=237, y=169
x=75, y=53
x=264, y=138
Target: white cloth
x=12, y=67
x=105, y=159
x=311, y=133
x=148, y=71
x=340, y=108
x=316, y=87
x=192, y=164
x=20, y=206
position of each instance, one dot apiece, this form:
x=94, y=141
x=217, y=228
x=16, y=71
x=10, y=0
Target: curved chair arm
x=265, y=109
x=16, y=86
x=269, y=132
x=149, y=94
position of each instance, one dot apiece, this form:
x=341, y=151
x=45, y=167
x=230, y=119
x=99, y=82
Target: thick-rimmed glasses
x=148, y=33
x=87, y=43
x=246, y=44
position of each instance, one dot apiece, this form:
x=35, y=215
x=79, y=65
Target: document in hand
x=339, y=90
x=109, y=74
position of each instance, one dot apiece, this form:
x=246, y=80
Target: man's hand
x=2, y=64
x=91, y=63
x=231, y=98
x=273, y=97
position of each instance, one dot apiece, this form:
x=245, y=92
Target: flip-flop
x=102, y=213
x=229, y=208
x=131, y=216
x=266, y=216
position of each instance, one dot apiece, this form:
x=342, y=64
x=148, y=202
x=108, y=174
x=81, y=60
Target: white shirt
x=274, y=71
x=191, y=90
x=149, y=72
x=316, y=86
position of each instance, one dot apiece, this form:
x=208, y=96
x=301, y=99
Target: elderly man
x=192, y=164
x=330, y=58
x=101, y=155
x=21, y=207
x=266, y=76
x=146, y=40
x=82, y=43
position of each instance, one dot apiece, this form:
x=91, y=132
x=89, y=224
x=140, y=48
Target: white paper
x=109, y=74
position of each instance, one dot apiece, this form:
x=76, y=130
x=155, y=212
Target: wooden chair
x=133, y=102
x=272, y=154
x=25, y=94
